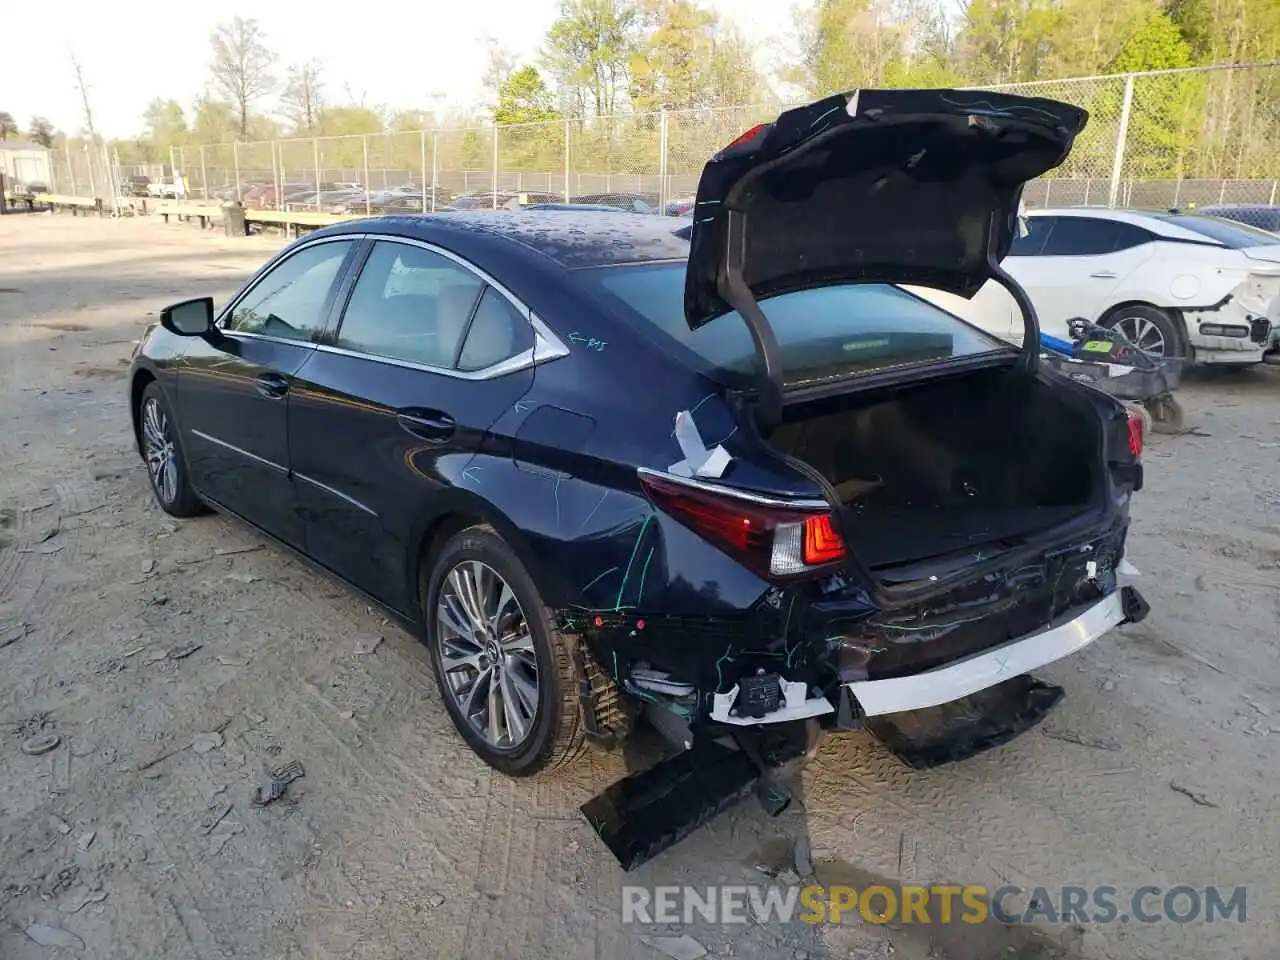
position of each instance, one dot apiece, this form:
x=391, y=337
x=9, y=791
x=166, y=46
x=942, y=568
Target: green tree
x=1087, y=35
x=41, y=131
x=241, y=66
x=866, y=43
x=343, y=121
x=164, y=123
x=8, y=125
x=1162, y=116
x=1004, y=40
x=588, y=49
x=213, y=121
x=524, y=98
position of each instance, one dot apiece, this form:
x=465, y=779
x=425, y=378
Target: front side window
x=292, y=300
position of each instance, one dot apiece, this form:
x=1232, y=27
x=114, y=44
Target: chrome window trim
x=721, y=490
x=546, y=345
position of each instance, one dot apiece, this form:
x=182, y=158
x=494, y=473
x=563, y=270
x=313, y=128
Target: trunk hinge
x=733, y=289
x=1029, y=359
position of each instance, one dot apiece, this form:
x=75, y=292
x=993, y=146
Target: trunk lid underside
x=905, y=186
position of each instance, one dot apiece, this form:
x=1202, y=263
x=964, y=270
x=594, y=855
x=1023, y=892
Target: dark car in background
x=135, y=185
x=727, y=471
x=631, y=202
x=1260, y=215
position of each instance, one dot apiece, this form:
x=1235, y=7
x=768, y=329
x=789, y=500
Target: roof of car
x=1156, y=222
x=571, y=238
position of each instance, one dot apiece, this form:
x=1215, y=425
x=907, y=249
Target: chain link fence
x=1176, y=138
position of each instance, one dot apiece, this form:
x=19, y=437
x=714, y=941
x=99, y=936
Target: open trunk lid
x=882, y=186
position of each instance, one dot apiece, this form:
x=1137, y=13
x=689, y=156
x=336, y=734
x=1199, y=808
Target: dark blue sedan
x=726, y=472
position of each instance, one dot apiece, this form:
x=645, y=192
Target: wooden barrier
x=206, y=215
x=67, y=202
x=292, y=221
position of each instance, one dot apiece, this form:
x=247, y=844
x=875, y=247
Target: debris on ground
x=280, y=778
x=435, y=900
x=41, y=743
x=13, y=632
x=85, y=840
x=88, y=898
x=1198, y=797
x=54, y=937
x=367, y=645
x=803, y=858
x=1066, y=736
x=241, y=577
x=184, y=651
x=204, y=742
x=678, y=948
x=215, y=817
x=61, y=825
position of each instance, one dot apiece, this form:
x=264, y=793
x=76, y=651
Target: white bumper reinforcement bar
x=986, y=669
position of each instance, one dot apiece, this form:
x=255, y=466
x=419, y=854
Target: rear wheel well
x=1180, y=325
x=141, y=380
x=436, y=535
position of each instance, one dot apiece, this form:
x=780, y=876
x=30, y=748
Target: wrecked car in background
x=727, y=472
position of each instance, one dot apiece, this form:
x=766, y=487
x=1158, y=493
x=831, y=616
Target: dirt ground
x=135, y=837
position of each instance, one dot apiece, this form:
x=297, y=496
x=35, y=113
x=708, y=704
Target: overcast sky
x=396, y=54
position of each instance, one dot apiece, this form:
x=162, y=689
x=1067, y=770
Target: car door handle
x=272, y=385
x=1103, y=275
x=426, y=424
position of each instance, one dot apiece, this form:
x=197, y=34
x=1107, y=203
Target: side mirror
x=191, y=318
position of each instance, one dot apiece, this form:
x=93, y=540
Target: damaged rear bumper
x=991, y=667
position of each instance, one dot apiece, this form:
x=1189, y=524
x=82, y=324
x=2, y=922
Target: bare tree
x=241, y=66
x=303, y=96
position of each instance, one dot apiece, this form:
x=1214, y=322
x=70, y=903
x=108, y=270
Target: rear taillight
x=773, y=541
x=1136, y=428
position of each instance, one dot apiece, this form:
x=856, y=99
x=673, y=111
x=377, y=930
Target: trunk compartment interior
x=933, y=468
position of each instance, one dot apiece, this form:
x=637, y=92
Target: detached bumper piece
x=991, y=667
x=956, y=731
x=645, y=813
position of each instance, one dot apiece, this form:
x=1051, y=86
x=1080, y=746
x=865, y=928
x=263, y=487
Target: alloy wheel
x=1143, y=333
x=160, y=452
x=486, y=654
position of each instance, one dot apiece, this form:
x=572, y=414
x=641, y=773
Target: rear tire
x=1150, y=328
x=161, y=452
x=504, y=670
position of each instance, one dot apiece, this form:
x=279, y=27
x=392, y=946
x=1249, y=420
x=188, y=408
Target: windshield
x=1233, y=235
x=822, y=333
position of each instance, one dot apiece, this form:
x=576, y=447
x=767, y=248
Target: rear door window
x=409, y=304
x=1080, y=237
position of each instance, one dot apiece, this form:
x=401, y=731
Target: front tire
x=166, y=466
x=505, y=672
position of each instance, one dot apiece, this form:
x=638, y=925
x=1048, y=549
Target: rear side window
x=409, y=304
x=822, y=333
x=1233, y=235
x=498, y=332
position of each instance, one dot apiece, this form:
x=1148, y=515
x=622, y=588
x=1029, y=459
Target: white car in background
x=1176, y=284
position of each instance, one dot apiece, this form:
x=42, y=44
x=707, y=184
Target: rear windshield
x=1236, y=236
x=822, y=333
